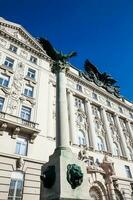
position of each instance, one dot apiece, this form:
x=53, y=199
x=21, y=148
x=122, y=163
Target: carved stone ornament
x=19, y=163
x=74, y=175
x=16, y=89
x=48, y=177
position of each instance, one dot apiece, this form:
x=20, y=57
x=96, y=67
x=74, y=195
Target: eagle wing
x=47, y=46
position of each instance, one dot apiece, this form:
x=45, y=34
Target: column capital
x=59, y=66
x=69, y=91
x=87, y=100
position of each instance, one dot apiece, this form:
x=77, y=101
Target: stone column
x=108, y=130
x=50, y=114
x=62, y=128
x=71, y=117
x=90, y=120
x=130, y=129
x=124, y=145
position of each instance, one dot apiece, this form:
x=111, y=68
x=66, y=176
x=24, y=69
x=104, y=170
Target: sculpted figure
x=57, y=56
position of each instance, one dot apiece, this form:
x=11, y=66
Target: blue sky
x=100, y=30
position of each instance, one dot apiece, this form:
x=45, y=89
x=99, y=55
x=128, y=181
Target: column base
x=59, y=182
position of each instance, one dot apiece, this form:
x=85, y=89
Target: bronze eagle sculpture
x=53, y=53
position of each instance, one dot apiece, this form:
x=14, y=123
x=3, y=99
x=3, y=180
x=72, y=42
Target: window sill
x=30, y=99
x=7, y=69
x=30, y=79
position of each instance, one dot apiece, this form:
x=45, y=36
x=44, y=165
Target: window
x=21, y=146
x=4, y=80
x=94, y=96
x=26, y=113
x=31, y=73
x=1, y=103
x=13, y=48
x=16, y=186
x=81, y=138
x=78, y=102
x=28, y=91
x=79, y=87
x=131, y=115
x=108, y=103
x=115, y=149
x=100, y=144
x=128, y=172
x=9, y=62
x=33, y=59
x=120, y=109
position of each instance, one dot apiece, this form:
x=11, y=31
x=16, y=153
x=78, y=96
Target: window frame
x=20, y=143
x=9, y=62
x=3, y=80
x=31, y=72
x=25, y=114
x=33, y=59
x=13, y=48
x=128, y=171
x=17, y=181
x=1, y=107
x=27, y=90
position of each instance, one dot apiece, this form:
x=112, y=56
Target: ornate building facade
x=100, y=123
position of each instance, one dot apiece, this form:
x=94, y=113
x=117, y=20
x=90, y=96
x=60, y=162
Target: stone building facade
x=99, y=123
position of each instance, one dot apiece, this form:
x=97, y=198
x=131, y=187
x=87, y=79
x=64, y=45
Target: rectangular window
x=120, y=109
x=21, y=146
x=16, y=186
x=128, y=172
x=13, y=48
x=79, y=87
x=31, y=73
x=94, y=96
x=33, y=59
x=26, y=113
x=9, y=62
x=1, y=103
x=4, y=80
x=78, y=102
x=28, y=91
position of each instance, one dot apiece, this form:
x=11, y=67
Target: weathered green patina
x=48, y=177
x=59, y=58
x=103, y=80
x=74, y=175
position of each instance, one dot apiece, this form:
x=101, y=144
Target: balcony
x=17, y=125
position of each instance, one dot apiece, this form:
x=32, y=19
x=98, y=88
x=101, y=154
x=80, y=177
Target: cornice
x=24, y=45
x=98, y=89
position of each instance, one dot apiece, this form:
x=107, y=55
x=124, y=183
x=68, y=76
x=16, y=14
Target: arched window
x=115, y=149
x=16, y=186
x=100, y=144
x=81, y=138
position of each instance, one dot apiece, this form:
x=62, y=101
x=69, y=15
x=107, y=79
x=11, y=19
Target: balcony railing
x=18, y=124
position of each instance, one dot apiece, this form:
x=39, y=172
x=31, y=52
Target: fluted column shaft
x=62, y=128
x=130, y=129
x=92, y=133
x=49, y=125
x=124, y=145
x=108, y=130
x=72, y=117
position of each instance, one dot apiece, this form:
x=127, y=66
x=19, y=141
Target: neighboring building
x=97, y=119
